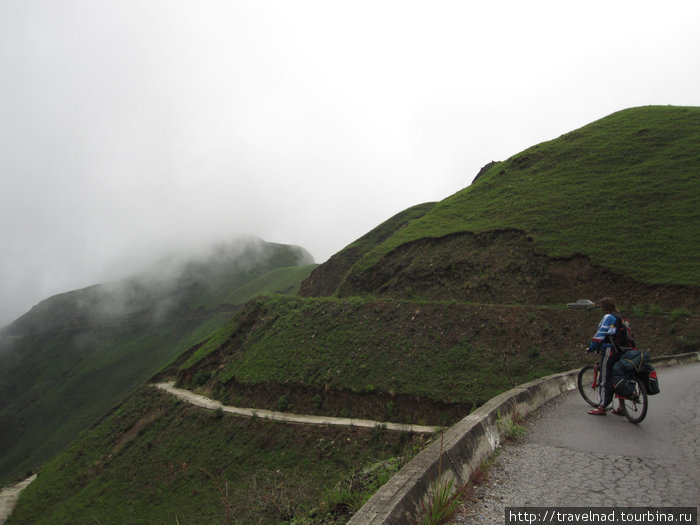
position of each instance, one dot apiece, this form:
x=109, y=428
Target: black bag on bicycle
x=632, y=361
x=635, y=362
x=651, y=380
x=623, y=385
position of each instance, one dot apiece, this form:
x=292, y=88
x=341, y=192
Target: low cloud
x=128, y=128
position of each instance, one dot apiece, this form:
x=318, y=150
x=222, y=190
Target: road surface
x=569, y=458
x=9, y=495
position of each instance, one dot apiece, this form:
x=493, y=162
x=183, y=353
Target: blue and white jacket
x=605, y=328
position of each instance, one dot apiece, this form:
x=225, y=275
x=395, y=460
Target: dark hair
x=608, y=305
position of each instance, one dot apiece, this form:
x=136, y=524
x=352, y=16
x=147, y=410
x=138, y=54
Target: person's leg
x=618, y=411
x=613, y=358
x=606, y=364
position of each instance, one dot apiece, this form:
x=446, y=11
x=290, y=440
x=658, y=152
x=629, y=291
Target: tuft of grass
x=510, y=426
x=639, y=310
x=283, y=403
x=679, y=313
x=441, y=503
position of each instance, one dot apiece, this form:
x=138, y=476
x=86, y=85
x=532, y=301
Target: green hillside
x=280, y=280
x=423, y=362
x=158, y=460
x=77, y=354
x=328, y=277
x=623, y=191
x=429, y=314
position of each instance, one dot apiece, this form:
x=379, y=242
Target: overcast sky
x=127, y=126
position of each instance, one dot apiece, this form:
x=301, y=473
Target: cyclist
x=602, y=342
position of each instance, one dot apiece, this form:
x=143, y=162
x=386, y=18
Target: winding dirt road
x=205, y=402
x=9, y=495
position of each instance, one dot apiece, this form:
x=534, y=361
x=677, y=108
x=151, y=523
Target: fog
x=129, y=128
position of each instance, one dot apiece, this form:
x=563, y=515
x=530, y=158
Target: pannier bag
x=651, y=381
x=636, y=362
x=623, y=386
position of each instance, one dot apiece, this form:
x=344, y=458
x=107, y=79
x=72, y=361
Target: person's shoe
x=600, y=411
x=618, y=412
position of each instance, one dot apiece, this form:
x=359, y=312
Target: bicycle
x=634, y=406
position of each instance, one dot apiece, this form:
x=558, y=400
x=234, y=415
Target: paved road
x=569, y=458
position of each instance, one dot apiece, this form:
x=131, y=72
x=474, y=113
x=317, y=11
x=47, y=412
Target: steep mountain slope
x=155, y=459
x=612, y=207
x=329, y=276
x=431, y=313
x=75, y=355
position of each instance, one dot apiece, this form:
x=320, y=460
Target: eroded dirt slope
x=503, y=267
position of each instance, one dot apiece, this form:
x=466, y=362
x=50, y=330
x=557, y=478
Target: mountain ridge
x=76, y=354
x=623, y=190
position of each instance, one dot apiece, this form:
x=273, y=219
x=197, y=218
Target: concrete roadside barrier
x=466, y=445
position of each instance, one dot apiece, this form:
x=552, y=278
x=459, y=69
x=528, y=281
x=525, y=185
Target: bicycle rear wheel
x=635, y=406
x=585, y=386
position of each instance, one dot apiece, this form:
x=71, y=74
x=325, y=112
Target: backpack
x=623, y=337
x=631, y=362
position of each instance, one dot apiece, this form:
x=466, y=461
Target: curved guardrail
x=466, y=445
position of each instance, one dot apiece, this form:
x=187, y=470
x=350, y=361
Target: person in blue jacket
x=602, y=342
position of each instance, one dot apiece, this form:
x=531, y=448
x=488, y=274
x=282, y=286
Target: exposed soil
x=492, y=267
x=379, y=406
x=503, y=267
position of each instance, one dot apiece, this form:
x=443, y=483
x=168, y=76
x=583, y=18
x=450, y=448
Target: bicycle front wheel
x=590, y=392
x=635, y=406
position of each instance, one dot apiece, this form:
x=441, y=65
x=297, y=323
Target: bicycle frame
x=596, y=373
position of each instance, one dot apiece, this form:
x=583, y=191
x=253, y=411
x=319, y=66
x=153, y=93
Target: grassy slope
x=377, y=235
x=624, y=190
x=443, y=352
x=326, y=279
x=279, y=280
x=66, y=371
x=72, y=378
x=422, y=350
x=158, y=460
